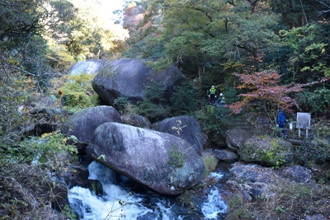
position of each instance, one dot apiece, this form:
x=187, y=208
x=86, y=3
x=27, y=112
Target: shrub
x=38, y=149
x=317, y=101
x=184, y=99
x=77, y=92
x=154, y=105
x=76, y=100
x=215, y=121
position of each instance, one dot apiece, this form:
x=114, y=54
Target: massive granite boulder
x=161, y=161
x=87, y=67
x=129, y=78
x=82, y=124
x=136, y=120
x=236, y=137
x=185, y=127
x=266, y=150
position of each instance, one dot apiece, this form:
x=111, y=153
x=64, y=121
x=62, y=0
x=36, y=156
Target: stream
x=124, y=199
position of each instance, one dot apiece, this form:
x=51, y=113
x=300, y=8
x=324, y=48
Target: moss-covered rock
x=75, y=99
x=266, y=150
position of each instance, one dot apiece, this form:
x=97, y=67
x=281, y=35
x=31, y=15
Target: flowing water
x=121, y=199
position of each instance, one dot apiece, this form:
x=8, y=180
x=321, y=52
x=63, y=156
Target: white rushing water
x=214, y=205
x=118, y=202
x=115, y=203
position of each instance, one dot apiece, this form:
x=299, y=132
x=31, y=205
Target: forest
x=261, y=55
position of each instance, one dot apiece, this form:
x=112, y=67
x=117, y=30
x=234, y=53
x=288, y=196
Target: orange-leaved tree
x=264, y=93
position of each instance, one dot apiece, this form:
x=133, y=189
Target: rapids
x=121, y=199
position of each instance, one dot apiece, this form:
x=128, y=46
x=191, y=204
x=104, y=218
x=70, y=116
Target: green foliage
x=38, y=149
x=16, y=90
x=76, y=99
x=67, y=211
x=318, y=151
x=296, y=13
x=273, y=155
x=77, y=92
x=154, y=105
x=315, y=102
x=309, y=60
x=121, y=104
x=88, y=35
x=203, y=34
x=176, y=157
x=184, y=99
x=58, y=56
x=159, y=65
x=215, y=121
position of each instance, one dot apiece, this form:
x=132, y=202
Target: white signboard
x=303, y=120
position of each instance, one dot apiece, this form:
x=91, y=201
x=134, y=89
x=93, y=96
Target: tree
x=264, y=93
x=297, y=13
x=201, y=35
x=308, y=60
x=24, y=70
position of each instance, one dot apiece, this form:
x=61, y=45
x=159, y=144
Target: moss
x=176, y=157
x=269, y=151
x=210, y=164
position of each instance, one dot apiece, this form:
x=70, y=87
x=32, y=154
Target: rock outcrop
x=82, y=124
x=236, y=137
x=266, y=150
x=129, y=78
x=298, y=174
x=225, y=155
x=185, y=127
x=161, y=161
x=87, y=67
x=136, y=120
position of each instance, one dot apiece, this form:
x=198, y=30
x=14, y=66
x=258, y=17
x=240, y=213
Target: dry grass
x=28, y=193
x=290, y=201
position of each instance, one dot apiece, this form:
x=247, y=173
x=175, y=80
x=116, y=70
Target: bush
x=317, y=101
x=184, y=100
x=77, y=92
x=38, y=149
x=154, y=106
x=215, y=121
x=76, y=100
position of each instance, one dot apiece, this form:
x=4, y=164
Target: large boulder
x=225, y=155
x=255, y=180
x=298, y=174
x=185, y=127
x=236, y=137
x=82, y=124
x=87, y=67
x=136, y=120
x=161, y=161
x=266, y=150
x=129, y=78
x=44, y=120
